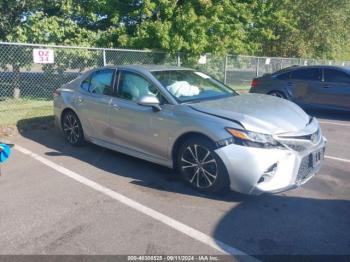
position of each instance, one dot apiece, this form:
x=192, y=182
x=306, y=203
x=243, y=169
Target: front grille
x=299, y=147
x=301, y=143
x=305, y=169
x=314, y=137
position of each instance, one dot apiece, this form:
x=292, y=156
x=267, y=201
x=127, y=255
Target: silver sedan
x=184, y=119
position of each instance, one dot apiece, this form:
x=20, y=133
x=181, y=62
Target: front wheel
x=201, y=167
x=72, y=129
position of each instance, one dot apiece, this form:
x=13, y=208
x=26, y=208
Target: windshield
x=188, y=85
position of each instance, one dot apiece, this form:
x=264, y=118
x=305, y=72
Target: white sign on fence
x=43, y=56
x=202, y=59
x=267, y=61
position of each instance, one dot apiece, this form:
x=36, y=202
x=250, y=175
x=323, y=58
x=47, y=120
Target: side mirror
x=150, y=100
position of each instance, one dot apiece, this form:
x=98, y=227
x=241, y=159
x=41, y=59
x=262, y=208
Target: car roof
x=148, y=68
x=295, y=67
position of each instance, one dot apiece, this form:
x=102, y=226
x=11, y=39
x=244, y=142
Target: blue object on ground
x=4, y=152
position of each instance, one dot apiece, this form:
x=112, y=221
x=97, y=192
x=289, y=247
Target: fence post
x=257, y=67
x=178, y=60
x=225, y=71
x=281, y=67
x=104, y=57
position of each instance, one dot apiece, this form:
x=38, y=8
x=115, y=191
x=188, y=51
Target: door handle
x=326, y=86
x=289, y=84
x=80, y=100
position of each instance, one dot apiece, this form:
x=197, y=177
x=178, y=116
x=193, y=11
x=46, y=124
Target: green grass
x=14, y=110
x=238, y=87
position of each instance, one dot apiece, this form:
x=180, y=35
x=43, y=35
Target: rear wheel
x=278, y=94
x=201, y=167
x=72, y=129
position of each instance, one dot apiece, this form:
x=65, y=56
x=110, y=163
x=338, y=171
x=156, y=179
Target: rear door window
x=283, y=76
x=102, y=82
x=86, y=84
x=99, y=82
x=307, y=74
x=336, y=76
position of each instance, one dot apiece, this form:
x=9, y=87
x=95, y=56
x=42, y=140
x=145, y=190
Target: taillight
x=56, y=93
x=254, y=83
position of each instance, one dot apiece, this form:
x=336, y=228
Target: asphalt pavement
x=58, y=199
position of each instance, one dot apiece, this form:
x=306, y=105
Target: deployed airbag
x=183, y=88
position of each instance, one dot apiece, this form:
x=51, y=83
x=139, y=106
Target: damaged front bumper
x=259, y=170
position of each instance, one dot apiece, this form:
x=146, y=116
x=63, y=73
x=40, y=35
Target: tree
x=323, y=27
x=313, y=28
x=46, y=22
x=273, y=28
x=180, y=26
x=294, y=28
x=12, y=15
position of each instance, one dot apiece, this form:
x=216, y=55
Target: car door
x=303, y=84
x=93, y=101
x=335, y=89
x=134, y=126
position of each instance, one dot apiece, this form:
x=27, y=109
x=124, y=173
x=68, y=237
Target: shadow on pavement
x=143, y=173
x=283, y=225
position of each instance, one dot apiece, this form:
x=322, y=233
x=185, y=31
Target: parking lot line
x=338, y=158
x=333, y=123
x=185, y=229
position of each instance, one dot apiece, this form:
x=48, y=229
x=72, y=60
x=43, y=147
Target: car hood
x=257, y=112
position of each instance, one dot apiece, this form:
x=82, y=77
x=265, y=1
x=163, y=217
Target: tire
x=72, y=129
x=201, y=168
x=278, y=94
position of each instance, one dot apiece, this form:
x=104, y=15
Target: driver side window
x=132, y=87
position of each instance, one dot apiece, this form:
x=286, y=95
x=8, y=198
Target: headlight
x=248, y=138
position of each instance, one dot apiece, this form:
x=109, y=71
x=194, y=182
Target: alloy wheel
x=71, y=128
x=199, y=166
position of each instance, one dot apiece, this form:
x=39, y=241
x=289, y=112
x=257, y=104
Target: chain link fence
x=26, y=87
x=238, y=71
